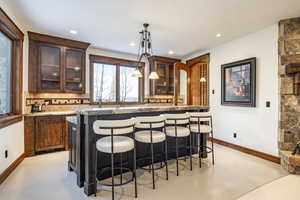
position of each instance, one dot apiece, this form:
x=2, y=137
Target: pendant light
x=202, y=79
x=153, y=75
x=144, y=51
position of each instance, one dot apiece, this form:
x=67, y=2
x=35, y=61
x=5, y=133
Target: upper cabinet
x=165, y=69
x=56, y=64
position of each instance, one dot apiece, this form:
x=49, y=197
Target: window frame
x=118, y=63
x=9, y=29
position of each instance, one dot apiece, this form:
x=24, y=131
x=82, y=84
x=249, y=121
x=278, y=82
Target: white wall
x=12, y=137
x=256, y=127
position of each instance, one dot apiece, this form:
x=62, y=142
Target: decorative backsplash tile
x=58, y=101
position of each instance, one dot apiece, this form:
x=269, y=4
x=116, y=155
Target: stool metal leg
x=96, y=160
x=134, y=170
x=176, y=146
x=191, y=164
x=166, y=160
x=112, y=165
x=212, y=148
x=199, y=151
x=112, y=176
x=152, y=157
x=152, y=166
x=121, y=178
x=212, y=141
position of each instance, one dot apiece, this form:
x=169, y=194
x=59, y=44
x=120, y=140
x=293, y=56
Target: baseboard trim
x=11, y=168
x=249, y=151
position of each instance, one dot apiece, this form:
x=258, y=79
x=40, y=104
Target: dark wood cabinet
x=45, y=133
x=165, y=69
x=56, y=64
x=50, y=133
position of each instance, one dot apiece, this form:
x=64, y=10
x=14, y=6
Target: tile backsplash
x=57, y=101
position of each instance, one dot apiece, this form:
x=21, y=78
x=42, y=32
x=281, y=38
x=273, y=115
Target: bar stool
x=201, y=123
x=115, y=142
x=150, y=131
x=176, y=127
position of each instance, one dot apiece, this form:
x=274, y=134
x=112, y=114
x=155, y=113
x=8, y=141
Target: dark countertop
x=121, y=110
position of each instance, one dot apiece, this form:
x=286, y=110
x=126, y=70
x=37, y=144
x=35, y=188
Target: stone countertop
x=121, y=110
x=37, y=114
x=72, y=119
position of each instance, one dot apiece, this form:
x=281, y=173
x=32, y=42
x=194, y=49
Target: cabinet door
x=50, y=133
x=161, y=84
x=49, y=68
x=74, y=70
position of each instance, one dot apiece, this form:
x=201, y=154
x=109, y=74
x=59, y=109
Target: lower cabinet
x=45, y=133
x=50, y=133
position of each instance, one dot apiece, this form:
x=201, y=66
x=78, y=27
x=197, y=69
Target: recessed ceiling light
x=132, y=44
x=74, y=32
x=218, y=35
x=171, y=52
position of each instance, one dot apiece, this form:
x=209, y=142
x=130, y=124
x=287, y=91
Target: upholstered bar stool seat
x=121, y=144
x=145, y=136
x=203, y=128
x=181, y=131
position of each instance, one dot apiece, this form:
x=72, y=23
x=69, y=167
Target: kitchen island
x=83, y=138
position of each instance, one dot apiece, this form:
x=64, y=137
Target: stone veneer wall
x=289, y=52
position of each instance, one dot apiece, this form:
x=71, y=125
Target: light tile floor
x=235, y=174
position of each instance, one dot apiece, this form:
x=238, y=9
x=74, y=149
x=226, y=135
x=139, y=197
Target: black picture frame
x=252, y=90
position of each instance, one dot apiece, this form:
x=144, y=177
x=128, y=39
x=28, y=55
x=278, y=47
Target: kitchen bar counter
x=136, y=109
x=84, y=146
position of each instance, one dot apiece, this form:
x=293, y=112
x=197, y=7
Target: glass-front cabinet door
x=161, y=83
x=74, y=70
x=50, y=68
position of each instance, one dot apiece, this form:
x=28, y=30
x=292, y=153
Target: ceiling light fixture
x=144, y=51
x=74, y=32
x=218, y=35
x=171, y=52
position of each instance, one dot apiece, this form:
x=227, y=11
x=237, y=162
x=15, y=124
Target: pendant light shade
x=202, y=79
x=153, y=76
x=137, y=74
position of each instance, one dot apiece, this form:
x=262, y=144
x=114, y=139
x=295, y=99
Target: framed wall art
x=238, y=83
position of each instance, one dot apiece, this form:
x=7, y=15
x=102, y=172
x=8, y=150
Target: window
x=104, y=83
x=5, y=74
x=112, y=83
x=11, y=51
x=129, y=86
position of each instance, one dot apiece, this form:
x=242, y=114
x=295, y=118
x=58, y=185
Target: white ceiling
x=184, y=26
